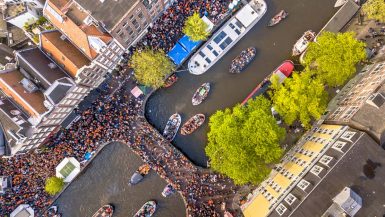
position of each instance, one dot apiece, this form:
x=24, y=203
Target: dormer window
x=96, y=43
x=348, y=135
x=339, y=145
x=316, y=170
x=290, y=199
x=281, y=209
x=303, y=184
x=326, y=160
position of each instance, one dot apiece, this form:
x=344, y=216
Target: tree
x=375, y=9
x=335, y=56
x=244, y=142
x=195, y=28
x=151, y=67
x=301, y=97
x=54, y=185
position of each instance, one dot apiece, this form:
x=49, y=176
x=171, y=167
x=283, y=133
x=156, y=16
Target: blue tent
x=188, y=44
x=178, y=54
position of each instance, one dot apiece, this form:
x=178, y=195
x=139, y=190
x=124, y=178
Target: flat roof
x=110, y=12
x=360, y=169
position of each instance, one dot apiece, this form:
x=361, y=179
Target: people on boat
x=278, y=18
x=238, y=64
x=193, y=124
x=170, y=80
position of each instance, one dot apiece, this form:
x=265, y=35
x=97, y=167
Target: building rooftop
x=32, y=102
x=371, y=118
x=6, y=55
x=14, y=10
x=63, y=52
x=70, y=18
x=37, y=64
x=58, y=90
x=110, y=12
x=360, y=169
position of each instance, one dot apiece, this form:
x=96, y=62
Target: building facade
x=310, y=177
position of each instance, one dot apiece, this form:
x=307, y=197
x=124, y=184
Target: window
x=348, y=135
x=326, y=160
x=339, y=145
x=303, y=184
x=220, y=36
x=281, y=209
x=129, y=30
x=290, y=199
x=316, y=170
x=140, y=15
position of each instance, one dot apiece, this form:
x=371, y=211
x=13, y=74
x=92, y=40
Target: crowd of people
x=118, y=117
x=241, y=61
x=167, y=30
x=112, y=117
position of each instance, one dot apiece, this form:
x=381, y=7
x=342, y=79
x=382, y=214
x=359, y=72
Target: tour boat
x=168, y=190
x=192, y=124
x=201, y=94
x=339, y=3
x=139, y=174
x=170, y=80
x=242, y=61
x=147, y=210
x=278, y=18
x=302, y=43
x=283, y=71
x=172, y=127
x=104, y=211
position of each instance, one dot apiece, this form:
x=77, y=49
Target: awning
x=136, y=91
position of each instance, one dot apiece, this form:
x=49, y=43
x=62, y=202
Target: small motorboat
x=139, y=174
x=278, y=18
x=302, y=43
x=105, y=211
x=339, y=3
x=147, y=210
x=192, y=124
x=201, y=94
x=168, y=190
x=170, y=80
x=172, y=127
x=242, y=60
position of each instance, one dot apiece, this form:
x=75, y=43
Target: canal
x=105, y=180
x=273, y=45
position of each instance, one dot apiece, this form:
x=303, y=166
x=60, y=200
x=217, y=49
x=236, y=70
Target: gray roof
x=5, y=51
x=37, y=64
x=372, y=119
x=59, y=91
x=342, y=17
x=360, y=169
x=109, y=12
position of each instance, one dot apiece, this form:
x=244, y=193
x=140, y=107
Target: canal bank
x=105, y=180
x=273, y=46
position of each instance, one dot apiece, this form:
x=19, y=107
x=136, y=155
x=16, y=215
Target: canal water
x=105, y=180
x=273, y=45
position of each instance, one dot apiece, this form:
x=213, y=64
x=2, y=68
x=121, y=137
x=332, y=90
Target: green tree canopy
x=195, y=28
x=151, y=67
x=244, y=141
x=301, y=97
x=335, y=56
x=375, y=9
x=54, y=185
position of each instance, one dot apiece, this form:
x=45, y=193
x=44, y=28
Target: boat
x=302, y=43
x=170, y=80
x=201, y=94
x=168, y=190
x=227, y=36
x=139, y=174
x=339, y=3
x=240, y=62
x=192, y=124
x=283, y=71
x=278, y=18
x=172, y=126
x=147, y=210
x=105, y=211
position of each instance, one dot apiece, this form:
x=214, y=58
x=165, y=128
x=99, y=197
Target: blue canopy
x=188, y=44
x=178, y=54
